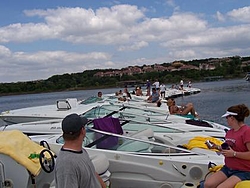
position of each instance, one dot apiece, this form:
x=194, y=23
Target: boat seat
x=135, y=146
x=149, y=133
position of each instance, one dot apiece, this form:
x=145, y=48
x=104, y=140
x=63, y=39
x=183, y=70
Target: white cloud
x=220, y=16
x=109, y=64
x=118, y=30
x=241, y=14
x=32, y=66
x=4, y=52
x=135, y=46
x=170, y=3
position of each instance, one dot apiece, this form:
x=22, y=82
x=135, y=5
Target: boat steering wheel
x=47, y=164
x=44, y=144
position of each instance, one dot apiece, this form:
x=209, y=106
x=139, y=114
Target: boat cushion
x=135, y=146
x=243, y=184
x=19, y=147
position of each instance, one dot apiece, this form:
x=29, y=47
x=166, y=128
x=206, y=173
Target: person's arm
x=241, y=155
x=103, y=185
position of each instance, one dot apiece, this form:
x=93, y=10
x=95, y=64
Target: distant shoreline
x=92, y=88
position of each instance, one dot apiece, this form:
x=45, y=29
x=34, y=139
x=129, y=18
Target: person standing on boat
x=162, y=90
x=181, y=85
x=74, y=167
x=157, y=85
x=148, y=85
x=189, y=84
x=237, y=155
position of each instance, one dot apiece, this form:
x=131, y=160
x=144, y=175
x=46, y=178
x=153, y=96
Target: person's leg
x=215, y=179
x=230, y=182
x=188, y=108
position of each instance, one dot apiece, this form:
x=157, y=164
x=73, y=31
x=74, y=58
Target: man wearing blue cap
x=73, y=165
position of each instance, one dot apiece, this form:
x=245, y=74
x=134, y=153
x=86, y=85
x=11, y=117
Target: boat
x=67, y=106
x=62, y=108
x=26, y=164
x=146, y=114
x=137, y=161
x=132, y=119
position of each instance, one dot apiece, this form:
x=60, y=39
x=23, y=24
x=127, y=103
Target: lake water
x=211, y=103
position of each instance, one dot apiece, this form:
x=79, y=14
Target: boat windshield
x=132, y=119
x=131, y=112
x=91, y=100
x=138, y=143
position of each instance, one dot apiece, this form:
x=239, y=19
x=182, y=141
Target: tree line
x=86, y=80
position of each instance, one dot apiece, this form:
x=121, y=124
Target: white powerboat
x=137, y=161
x=132, y=119
x=26, y=164
x=59, y=110
x=149, y=115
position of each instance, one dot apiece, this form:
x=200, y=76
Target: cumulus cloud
x=220, y=16
x=170, y=3
x=4, y=52
x=116, y=30
x=79, y=25
x=43, y=64
x=240, y=15
x=135, y=46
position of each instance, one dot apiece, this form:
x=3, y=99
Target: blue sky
x=42, y=38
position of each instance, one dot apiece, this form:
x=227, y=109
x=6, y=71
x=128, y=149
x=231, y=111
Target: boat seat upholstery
x=149, y=133
x=137, y=146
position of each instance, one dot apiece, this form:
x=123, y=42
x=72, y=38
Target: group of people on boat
x=235, y=171
x=236, y=168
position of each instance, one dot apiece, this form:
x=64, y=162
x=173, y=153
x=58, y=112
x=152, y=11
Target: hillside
x=168, y=73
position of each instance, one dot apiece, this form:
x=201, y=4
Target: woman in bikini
x=182, y=110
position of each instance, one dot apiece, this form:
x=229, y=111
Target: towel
x=23, y=150
x=199, y=142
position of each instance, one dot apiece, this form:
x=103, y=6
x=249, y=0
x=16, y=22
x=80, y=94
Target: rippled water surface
x=211, y=103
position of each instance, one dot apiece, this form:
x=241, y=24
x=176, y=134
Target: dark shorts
x=154, y=100
x=243, y=175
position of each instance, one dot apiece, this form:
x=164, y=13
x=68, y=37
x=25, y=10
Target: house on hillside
x=207, y=66
x=188, y=67
x=159, y=68
x=148, y=68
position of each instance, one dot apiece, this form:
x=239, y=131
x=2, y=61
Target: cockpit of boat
x=138, y=143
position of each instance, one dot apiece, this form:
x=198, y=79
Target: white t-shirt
x=162, y=88
x=156, y=84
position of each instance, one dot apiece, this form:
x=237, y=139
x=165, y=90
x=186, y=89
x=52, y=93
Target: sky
x=42, y=38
